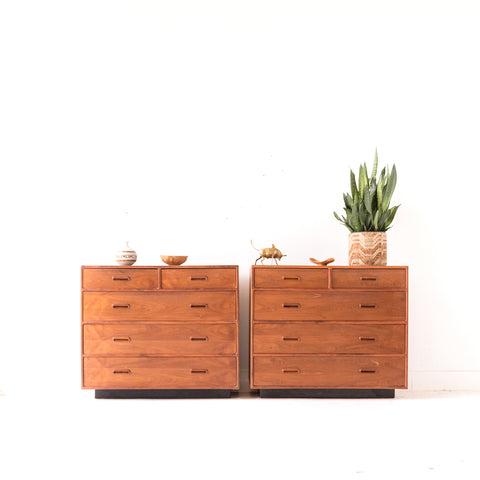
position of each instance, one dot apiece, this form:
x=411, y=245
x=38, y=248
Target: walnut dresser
x=328, y=331
x=160, y=332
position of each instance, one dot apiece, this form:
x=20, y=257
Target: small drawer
x=160, y=372
x=329, y=372
x=119, y=278
x=135, y=339
x=369, y=278
x=160, y=305
x=278, y=277
x=198, y=278
x=284, y=305
x=328, y=338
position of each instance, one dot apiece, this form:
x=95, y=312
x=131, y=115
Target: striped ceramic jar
x=367, y=248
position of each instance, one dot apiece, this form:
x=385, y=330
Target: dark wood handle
x=367, y=305
x=198, y=339
x=198, y=305
x=368, y=279
x=199, y=278
x=121, y=371
x=121, y=339
x=198, y=370
x=291, y=278
x=291, y=339
x=367, y=339
x=127, y=305
x=126, y=279
x=364, y=370
x=291, y=305
x=290, y=370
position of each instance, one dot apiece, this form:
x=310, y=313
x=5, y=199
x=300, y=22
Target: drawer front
x=205, y=339
x=199, y=278
x=331, y=305
x=120, y=278
x=138, y=306
x=369, y=278
x=329, y=372
x=160, y=372
x=290, y=277
x=328, y=338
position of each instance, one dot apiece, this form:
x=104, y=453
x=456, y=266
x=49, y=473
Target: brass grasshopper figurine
x=274, y=253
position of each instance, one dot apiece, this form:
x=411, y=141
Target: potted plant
x=368, y=215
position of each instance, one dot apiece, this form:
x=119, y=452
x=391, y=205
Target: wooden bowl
x=173, y=259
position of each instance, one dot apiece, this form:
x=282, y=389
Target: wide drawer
x=120, y=278
x=329, y=305
x=138, y=306
x=329, y=372
x=277, y=277
x=207, y=339
x=160, y=372
x=198, y=278
x=369, y=278
x=328, y=338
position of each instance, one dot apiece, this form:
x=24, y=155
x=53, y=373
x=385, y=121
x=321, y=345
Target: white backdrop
x=212, y=123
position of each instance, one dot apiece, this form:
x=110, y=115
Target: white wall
x=216, y=122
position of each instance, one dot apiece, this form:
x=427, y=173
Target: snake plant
x=367, y=209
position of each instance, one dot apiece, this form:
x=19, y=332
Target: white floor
x=432, y=435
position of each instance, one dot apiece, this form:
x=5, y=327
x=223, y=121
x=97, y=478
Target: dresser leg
x=326, y=393
x=164, y=393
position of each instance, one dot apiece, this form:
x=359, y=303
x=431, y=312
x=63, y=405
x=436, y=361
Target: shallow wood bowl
x=173, y=259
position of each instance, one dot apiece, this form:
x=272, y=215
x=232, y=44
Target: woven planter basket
x=367, y=248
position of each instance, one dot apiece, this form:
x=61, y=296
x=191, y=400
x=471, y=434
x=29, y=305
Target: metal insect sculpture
x=274, y=253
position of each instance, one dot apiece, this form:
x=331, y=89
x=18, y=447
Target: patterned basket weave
x=367, y=248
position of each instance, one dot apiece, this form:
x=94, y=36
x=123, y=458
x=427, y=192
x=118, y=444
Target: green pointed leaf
x=353, y=185
x=367, y=198
x=348, y=200
x=391, y=216
x=389, y=188
x=375, y=165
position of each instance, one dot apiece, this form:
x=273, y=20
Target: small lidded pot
x=127, y=256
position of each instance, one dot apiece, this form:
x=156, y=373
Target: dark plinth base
x=326, y=393
x=179, y=393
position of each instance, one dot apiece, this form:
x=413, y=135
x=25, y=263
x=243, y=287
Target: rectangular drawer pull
x=363, y=370
x=199, y=278
x=114, y=305
x=291, y=305
x=126, y=279
x=197, y=370
x=122, y=371
x=367, y=339
x=121, y=339
x=372, y=279
x=198, y=305
x=368, y=305
x=290, y=370
x=291, y=278
x=198, y=339
x=291, y=339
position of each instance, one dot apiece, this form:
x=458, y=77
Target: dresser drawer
x=329, y=372
x=199, y=278
x=205, y=339
x=138, y=306
x=120, y=278
x=330, y=305
x=160, y=372
x=328, y=338
x=278, y=277
x=369, y=278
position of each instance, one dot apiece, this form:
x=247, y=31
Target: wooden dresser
x=160, y=331
x=328, y=331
